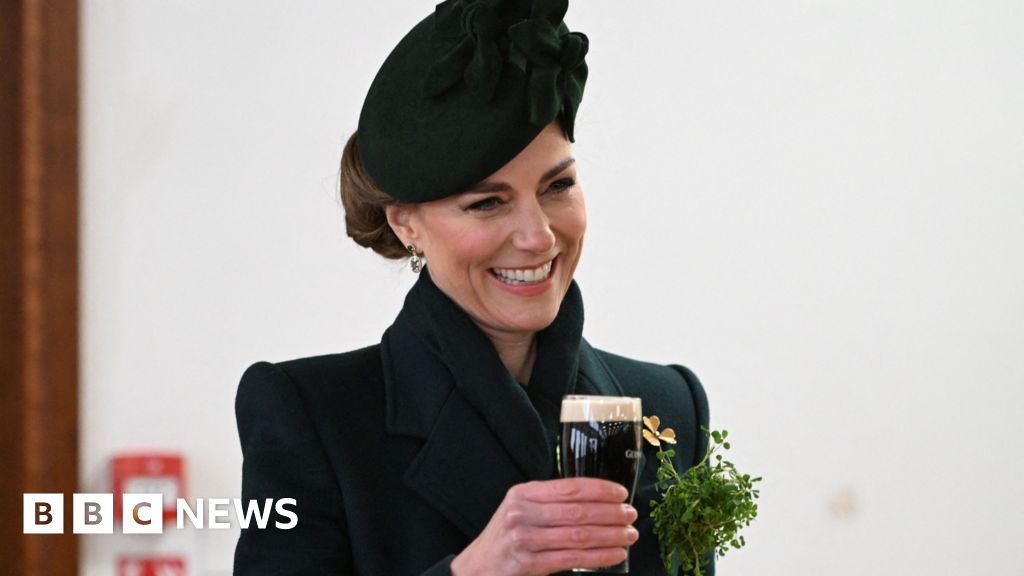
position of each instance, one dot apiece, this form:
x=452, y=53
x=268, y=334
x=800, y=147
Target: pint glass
x=600, y=438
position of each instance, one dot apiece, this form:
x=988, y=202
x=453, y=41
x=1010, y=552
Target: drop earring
x=415, y=262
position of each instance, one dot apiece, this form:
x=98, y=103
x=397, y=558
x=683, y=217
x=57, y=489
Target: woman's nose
x=533, y=230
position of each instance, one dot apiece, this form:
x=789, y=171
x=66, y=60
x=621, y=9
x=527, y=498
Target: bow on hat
x=555, y=64
x=476, y=58
x=553, y=60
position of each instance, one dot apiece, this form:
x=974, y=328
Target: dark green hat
x=465, y=91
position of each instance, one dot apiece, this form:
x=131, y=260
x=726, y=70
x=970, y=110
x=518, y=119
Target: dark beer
x=607, y=450
x=601, y=438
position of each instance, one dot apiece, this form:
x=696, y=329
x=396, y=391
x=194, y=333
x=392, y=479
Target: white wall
x=816, y=205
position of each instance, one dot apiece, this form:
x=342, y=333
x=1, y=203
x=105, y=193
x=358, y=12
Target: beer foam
x=600, y=409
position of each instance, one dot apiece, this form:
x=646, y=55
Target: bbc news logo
x=144, y=513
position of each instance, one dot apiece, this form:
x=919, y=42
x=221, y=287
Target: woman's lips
x=522, y=275
x=514, y=280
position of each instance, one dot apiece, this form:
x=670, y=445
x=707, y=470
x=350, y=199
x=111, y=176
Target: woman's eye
x=561, y=185
x=484, y=205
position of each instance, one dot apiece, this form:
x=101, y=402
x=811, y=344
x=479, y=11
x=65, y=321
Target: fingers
x=570, y=490
x=533, y=540
x=570, y=502
x=562, y=560
x=550, y=526
x=579, y=513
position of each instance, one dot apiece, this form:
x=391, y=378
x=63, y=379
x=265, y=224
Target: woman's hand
x=550, y=526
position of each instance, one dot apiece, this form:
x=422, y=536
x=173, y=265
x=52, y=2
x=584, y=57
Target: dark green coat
x=398, y=454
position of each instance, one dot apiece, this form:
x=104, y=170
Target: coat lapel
x=463, y=470
x=595, y=378
x=482, y=432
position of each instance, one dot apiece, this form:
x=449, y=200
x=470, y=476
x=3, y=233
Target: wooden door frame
x=39, y=180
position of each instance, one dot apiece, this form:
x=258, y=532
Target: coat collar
x=483, y=432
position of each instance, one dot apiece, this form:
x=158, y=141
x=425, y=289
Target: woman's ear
x=400, y=219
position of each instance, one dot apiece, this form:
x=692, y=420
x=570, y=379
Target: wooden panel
x=11, y=399
x=38, y=273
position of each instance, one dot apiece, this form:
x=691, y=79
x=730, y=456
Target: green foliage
x=703, y=509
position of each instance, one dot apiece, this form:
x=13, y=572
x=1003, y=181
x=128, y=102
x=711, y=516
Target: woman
x=433, y=451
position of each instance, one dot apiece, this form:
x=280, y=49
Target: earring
x=416, y=263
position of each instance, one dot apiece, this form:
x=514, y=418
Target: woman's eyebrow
x=558, y=168
x=486, y=186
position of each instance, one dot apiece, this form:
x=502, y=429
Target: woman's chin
x=530, y=314
x=530, y=320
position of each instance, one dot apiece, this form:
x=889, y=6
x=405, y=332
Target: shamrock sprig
x=701, y=510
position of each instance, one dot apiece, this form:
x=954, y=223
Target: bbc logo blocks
x=142, y=513
x=93, y=514
x=43, y=513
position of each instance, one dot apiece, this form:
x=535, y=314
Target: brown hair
x=364, y=202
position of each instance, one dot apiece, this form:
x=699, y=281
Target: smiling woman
x=506, y=251
x=433, y=452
